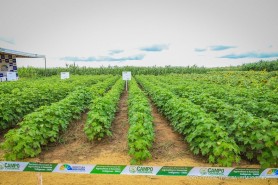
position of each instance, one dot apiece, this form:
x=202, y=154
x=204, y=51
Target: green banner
x=108, y=169
x=40, y=167
x=174, y=171
x=246, y=172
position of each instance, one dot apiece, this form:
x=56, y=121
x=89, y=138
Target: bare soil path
x=169, y=145
x=75, y=147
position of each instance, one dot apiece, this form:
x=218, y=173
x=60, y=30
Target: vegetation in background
x=261, y=65
x=154, y=70
x=115, y=70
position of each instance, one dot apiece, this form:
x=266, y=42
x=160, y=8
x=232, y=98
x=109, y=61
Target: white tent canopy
x=20, y=54
x=8, y=64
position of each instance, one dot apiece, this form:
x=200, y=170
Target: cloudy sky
x=141, y=32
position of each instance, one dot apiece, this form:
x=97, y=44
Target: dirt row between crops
x=73, y=147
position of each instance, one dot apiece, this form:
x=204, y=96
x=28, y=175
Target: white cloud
x=95, y=27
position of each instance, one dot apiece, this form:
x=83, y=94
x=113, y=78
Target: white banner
x=74, y=168
x=141, y=170
x=12, y=166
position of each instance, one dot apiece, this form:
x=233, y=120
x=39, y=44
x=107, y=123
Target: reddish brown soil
x=75, y=148
x=169, y=145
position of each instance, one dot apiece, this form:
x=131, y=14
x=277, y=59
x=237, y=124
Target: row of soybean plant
x=258, y=89
x=205, y=135
x=255, y=136
x=24, y=100
x=46, y=123
x=24, y=83
x=141, y=131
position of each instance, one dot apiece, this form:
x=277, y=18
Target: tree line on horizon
x=153, y=70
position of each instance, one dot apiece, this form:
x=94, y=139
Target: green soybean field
x=224, y=118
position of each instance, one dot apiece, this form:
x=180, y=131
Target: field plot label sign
x=65, y=75
x=126, y=77
x=11, y=76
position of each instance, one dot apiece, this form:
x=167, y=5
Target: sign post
x=126, y=77
x=65, y=75
x=11, y=76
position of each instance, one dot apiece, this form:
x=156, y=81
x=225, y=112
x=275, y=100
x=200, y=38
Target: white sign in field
x=11, y=76
x=126, y=75
x=65, y=75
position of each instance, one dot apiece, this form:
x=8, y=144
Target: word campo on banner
x=9, y=166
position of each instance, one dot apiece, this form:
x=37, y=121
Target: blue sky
x=221, y=47
x=155, y=48
x=141, y=33
x=260, y=55
x=104, y=58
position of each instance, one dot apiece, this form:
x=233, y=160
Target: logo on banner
x=132, y=169
x=9, y=166
x=67, y=167
x=212, y=171
x=141, y=169
x=203, y=171
x=2, y=166
x=272, y=172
